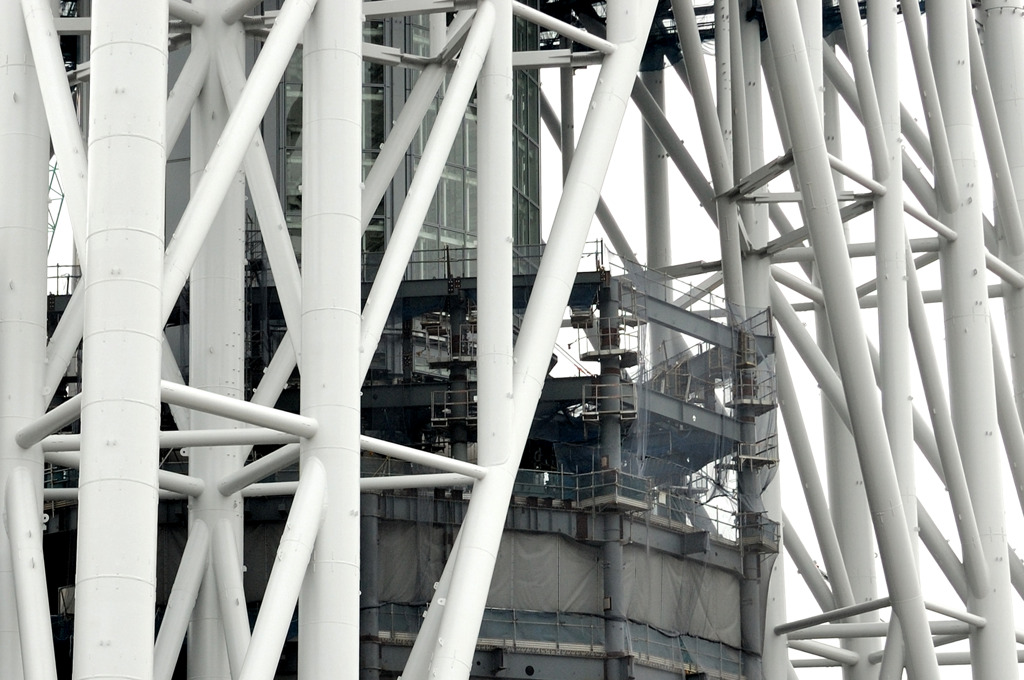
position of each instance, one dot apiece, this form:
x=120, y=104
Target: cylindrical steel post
x=849, y=505
x=23, y=200
x=968, y=343
x=456, y=637
x=115, y=593
x=609, y=524
x=825, y=223
x=891, y=274
x=628, y=26
x=1003, y=33
x=216, y=345
x=331, y=246
x=656, y=209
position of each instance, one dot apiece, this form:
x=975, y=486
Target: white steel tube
x=276, y=374
x=424, y=481
x=810, y=480
x=1009, y=421
x=844, y=168
x=1010, y=276
x=568, y=30
x=945, y=175
x=945, y=437
x=234, y=615
x=221, y=169
x=237, y=409
x=277, y=240
x=266, y=489
x=829, y=382
x=225, y=437
x=882, y=120
x=406, y=453
x=714, y=143
x=24, y=528
x=220, y=172
x=186, y=88
x=181, y=601
x=676, y=150
x=1002, y=35
x=421, y=190
x=942, y=553
x=65, y=132
x=628, y=26
x=843, y=656
x=216, y=322
x=188, y=12
x=877, y=629
x=23, y=197
x=115, y=586
x=456, y=637
x=822, y=212
x=834, y=615
x=865, y=73
x=236, y=9
x=282, y=593
x=968, y=343
x=53, y=420
x=809, y=571
x=1009, y=220
x=393, y=151
x=169, y=481
x=331, y=296
x=929, y=221
x=259, y=468
x=798, y=285
x=657, y=217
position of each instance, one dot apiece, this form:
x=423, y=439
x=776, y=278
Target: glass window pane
x=292, y=115
x=471, y=208
x=373, y=117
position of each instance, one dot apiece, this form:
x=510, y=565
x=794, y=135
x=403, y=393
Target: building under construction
x=320, y=398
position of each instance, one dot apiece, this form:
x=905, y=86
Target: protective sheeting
x=680, y=595
x=412, y=557
x=553, y=573
x=546, y=572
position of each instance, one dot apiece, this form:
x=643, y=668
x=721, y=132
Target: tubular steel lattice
x=837, y=239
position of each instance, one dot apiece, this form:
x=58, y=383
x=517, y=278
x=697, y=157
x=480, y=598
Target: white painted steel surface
x=115, y=584
x=967, y=66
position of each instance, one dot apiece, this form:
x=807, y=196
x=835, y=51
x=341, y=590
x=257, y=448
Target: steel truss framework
x=114, y=186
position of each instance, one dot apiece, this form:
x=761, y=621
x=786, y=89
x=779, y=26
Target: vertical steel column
x=1003, y=34
x=893, y=315
x=216, y=332
x=478, y=545
x=117, y=513
x=656, y=207
x=723, y=72
x=609, y=523
x=825, y=223
x=567, y=100
x=331, y=246
x=628, y=25
x=849, y=505
x=496, y=216
x=968, y=342
x=24, y=144
x=756, y=277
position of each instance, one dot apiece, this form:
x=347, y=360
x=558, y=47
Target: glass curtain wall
x=447, y=241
